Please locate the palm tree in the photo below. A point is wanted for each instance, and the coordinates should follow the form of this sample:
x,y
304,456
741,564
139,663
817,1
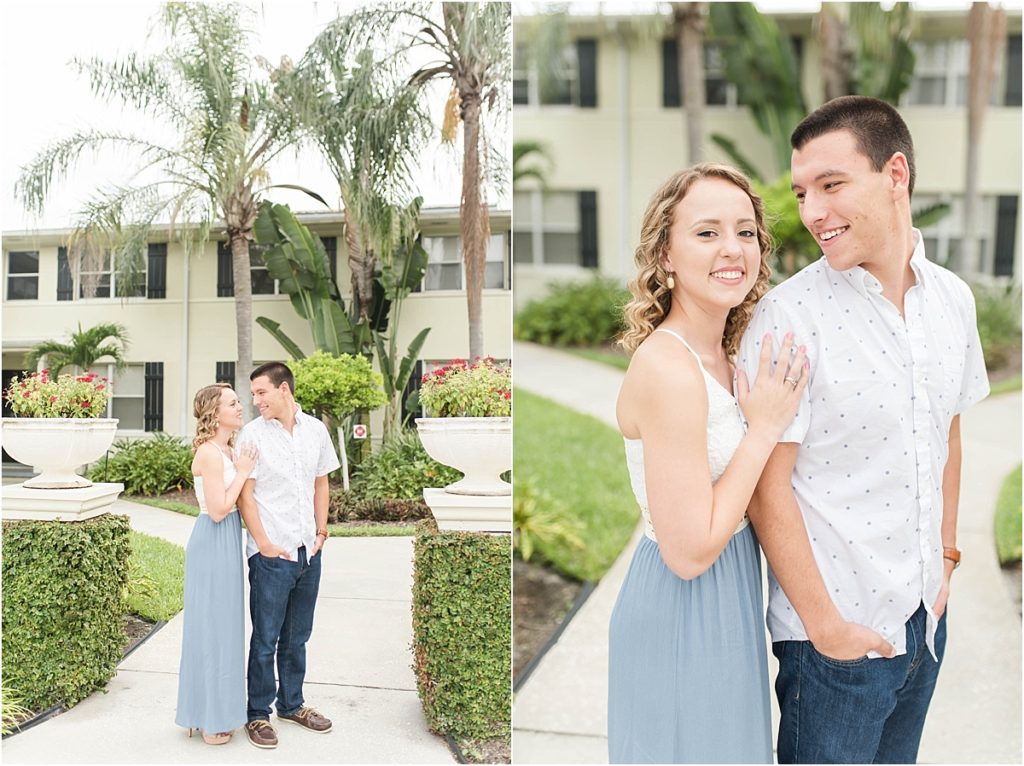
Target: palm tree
x,y
986,32
229,127
471,43
85,349
530,159
689,23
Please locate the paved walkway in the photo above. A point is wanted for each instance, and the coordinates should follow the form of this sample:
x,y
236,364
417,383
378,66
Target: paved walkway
x,y
560,713
359,674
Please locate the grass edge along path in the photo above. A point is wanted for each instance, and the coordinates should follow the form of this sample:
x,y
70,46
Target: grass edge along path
x,y
157,570
580,463
1007,519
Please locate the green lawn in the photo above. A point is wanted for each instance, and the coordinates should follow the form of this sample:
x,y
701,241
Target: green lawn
x,y
619,361
167,505
342,530
580,463
1008,519
1005,386
158,569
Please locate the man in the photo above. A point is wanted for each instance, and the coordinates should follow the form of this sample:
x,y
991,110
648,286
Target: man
x,y
284,505
856,509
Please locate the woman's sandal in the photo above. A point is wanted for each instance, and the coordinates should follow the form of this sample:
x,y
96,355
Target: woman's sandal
x,y
220,738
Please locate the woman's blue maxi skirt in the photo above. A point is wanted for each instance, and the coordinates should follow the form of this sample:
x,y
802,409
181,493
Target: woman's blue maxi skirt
x,y
688,666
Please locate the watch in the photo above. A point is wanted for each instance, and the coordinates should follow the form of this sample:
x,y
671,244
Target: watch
x,y
953,554
323,532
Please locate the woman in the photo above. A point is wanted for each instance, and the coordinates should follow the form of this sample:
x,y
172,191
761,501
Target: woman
x,y
688,675
211,679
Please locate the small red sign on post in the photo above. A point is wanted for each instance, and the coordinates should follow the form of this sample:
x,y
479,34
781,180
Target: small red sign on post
x,y
359,431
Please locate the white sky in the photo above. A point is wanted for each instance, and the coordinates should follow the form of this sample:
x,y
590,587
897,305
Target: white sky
x,y
44,99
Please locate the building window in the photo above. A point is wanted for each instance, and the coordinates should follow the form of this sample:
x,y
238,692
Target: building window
x,y
943,240
97,278
22,276
555,228
445,269
940,75
570,79
718,91
128,400
261,281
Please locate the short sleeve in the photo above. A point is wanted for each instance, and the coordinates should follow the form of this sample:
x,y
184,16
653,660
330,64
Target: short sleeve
x,y
771,317
328,460
974,386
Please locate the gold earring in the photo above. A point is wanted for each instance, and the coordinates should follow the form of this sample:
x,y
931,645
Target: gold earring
x,y
670,282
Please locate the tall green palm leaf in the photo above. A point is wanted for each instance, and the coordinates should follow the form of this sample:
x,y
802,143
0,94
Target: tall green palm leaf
x,y
530,159
471,48
228,126
109,340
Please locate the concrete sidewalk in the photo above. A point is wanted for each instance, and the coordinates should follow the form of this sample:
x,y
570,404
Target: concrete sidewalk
x,y
359,674
559,716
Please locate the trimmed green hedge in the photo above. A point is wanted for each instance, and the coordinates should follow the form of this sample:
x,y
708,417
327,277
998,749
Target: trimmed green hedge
x,y
574,314
63,605
462,638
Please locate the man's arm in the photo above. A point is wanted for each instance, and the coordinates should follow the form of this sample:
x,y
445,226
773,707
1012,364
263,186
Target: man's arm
x,y
950,508
321,504
780,529
251,517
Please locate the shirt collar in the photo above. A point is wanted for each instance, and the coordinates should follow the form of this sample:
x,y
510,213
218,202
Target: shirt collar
x,y
274,422
865,283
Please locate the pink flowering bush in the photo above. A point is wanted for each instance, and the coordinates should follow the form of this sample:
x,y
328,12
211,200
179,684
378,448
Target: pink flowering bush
x,y
482,389
37,395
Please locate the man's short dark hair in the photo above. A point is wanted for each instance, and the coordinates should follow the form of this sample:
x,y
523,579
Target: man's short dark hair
x,y
877,127
278,372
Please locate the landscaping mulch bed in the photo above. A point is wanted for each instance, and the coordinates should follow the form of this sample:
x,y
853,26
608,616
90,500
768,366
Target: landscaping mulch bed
x,y
496,750
541,597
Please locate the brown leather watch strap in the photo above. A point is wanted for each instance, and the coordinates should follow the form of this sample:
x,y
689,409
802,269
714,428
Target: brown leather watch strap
x,y
953,554
323,531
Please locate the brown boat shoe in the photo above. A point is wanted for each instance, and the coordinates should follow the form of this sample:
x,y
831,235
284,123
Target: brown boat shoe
x,y
261,733
308,718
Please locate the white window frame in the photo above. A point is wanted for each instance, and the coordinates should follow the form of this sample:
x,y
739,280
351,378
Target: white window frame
x,y
506,250
24,275
951,227
571,68
539,228
956,57
77,287
110,374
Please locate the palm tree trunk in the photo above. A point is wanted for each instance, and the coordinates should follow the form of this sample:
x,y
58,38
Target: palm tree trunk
x,y
360,266
243,317
835,64
474,220
986,30
689,23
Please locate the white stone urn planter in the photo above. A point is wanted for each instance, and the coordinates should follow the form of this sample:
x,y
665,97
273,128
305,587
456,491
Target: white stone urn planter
x,y
57,446
479,447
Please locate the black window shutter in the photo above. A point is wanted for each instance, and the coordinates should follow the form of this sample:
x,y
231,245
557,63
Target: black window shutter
x,y
1006,234
154,406
156,275
331,246
586,56
225,373
1013,73
670,90
65,282
588,229
413,385
225,276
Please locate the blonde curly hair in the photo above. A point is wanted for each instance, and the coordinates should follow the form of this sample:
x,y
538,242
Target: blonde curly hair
x,y
204,408
651,297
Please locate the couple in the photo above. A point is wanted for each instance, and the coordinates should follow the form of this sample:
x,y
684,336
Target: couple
x,y
278,477
845,452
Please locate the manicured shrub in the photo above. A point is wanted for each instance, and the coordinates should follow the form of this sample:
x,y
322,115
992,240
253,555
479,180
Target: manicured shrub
x,y
462,637
574,314
401,469
345,506
998,322
63,605
148,466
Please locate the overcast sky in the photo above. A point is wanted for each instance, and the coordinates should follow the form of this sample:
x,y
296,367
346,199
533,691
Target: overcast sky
x,y
45,99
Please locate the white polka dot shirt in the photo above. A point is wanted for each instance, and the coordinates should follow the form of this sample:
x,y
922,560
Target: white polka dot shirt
x,y
286,468
873,429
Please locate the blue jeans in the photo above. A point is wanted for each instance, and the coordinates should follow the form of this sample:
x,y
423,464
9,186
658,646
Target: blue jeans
x,y
856,711
282,596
